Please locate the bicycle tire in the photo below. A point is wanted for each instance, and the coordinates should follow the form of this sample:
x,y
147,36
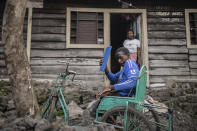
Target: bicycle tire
x,y
45,112
51,112
141,119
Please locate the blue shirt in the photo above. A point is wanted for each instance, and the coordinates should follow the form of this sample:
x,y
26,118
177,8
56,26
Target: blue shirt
x,y
125,78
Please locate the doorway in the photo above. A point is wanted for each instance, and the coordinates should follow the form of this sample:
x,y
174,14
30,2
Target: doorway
x,y
120,24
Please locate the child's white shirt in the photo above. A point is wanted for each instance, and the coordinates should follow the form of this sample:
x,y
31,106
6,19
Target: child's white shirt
x,y
132,45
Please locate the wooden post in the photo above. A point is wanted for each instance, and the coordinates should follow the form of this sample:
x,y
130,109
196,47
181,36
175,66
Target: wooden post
x,y
29,33
145,44
107,42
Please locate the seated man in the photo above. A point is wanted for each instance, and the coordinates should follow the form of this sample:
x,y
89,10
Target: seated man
x,y
121,82
125,79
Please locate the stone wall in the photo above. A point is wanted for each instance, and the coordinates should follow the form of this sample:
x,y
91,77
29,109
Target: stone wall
x,y
182,97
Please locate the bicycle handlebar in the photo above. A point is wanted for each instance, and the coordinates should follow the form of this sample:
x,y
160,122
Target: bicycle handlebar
x,y
68,72
72,72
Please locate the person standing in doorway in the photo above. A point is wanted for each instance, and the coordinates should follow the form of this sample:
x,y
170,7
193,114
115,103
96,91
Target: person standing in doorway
x,y
133,45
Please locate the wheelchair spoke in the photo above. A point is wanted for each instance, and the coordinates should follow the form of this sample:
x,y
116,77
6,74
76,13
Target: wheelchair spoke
x,y
136,120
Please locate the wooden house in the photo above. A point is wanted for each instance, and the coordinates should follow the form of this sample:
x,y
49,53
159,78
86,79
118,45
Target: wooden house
x,y
78,31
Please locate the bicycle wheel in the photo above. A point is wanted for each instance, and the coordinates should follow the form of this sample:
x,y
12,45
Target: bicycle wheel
x,y
136,119
49,111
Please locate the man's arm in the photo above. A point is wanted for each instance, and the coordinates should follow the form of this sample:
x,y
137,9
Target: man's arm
x,y
131,73
113,77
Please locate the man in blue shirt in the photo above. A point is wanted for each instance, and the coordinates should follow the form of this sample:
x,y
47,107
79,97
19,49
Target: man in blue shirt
x,y
121,82
126,78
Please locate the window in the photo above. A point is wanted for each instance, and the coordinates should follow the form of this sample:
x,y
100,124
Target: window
x,y
191,27
85,28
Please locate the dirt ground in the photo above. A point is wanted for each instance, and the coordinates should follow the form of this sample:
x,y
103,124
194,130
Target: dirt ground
x,y
183,119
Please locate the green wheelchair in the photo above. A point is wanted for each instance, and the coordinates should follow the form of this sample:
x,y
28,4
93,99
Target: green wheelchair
x,y
132,113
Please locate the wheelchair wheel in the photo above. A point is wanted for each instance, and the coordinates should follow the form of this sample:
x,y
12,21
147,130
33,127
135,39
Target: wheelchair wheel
x,y
153,118
136,120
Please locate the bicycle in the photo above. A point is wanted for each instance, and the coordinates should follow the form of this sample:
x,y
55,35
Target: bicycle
x,y
57,95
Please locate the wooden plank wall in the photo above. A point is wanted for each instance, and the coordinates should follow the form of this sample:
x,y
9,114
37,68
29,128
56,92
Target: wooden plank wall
x,y
49,47
2,62
169,57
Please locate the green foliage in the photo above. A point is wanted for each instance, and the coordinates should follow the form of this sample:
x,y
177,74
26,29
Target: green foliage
x,y
5,88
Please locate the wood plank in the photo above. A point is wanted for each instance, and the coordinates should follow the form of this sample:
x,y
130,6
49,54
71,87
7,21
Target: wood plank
x,y
193,58
2,56
165,14
168,63
4,77
71,61
168,49
165,20
48,30
193,65
1,50
165,79
194,72
3,71
160,27
1,43
93,85
82,70
48,45
89,53
28,47
168,56
167,42
35,4
99,78
50,10
45,30
49,22
166,34
49,37
170,71
2,63
47,15
193,51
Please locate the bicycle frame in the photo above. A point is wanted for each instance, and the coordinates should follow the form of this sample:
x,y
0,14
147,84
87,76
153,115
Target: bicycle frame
x,y
57,92
63,104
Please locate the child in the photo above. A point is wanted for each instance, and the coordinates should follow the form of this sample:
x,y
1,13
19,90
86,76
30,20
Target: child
x,y
133,45
126,78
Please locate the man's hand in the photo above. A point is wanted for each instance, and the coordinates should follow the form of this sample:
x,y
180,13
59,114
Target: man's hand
x,y
101,61
111,87
106,69
106,90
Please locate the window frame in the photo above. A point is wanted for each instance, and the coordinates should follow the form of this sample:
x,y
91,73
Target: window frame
x,y
187,24
68,28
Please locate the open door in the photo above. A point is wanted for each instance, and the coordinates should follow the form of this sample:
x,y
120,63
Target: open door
x,y
120,24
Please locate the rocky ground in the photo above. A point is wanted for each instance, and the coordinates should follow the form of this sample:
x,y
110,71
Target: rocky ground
x,y
179,96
